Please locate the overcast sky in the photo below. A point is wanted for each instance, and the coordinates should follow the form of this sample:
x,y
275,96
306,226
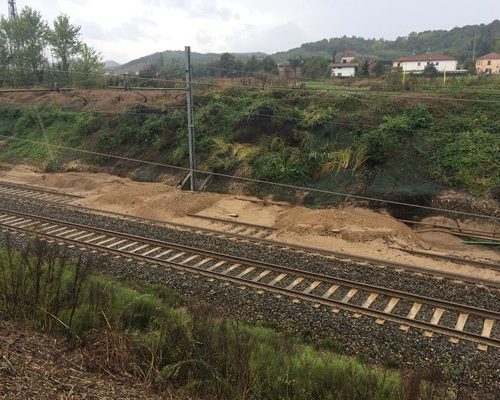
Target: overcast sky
x,y
124,29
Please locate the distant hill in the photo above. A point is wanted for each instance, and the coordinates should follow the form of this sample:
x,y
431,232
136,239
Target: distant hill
x,y
177,57
110,64
458,42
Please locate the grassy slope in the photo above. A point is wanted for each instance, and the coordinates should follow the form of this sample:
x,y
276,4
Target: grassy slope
x,y
373,143
152,334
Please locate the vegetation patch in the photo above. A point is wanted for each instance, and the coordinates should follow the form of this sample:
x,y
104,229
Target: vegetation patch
x,y
151,333
344,142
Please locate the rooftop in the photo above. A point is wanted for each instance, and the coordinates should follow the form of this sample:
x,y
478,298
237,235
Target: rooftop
x,y
425,57
344,65
490,56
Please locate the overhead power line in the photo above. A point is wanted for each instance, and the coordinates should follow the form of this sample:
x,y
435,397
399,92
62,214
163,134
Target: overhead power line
x,y
387,94
251,180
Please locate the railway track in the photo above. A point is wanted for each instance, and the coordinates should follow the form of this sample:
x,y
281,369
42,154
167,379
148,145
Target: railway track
x,y
430,316
235,230
237,227
35,193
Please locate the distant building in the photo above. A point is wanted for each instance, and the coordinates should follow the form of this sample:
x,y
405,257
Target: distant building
x,y
488,64
419,62
343,70
348,58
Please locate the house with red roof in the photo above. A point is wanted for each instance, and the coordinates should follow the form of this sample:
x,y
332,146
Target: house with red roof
x,y
488,64
418,63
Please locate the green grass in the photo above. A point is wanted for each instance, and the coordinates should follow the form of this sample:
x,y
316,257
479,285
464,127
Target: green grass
x,y
152,333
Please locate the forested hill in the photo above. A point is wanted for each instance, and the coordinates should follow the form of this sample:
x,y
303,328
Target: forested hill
x,y
457,42
172,57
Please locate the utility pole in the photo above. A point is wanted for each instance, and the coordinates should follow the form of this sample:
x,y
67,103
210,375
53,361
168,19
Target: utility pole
x,y
190,115
474,48
12,9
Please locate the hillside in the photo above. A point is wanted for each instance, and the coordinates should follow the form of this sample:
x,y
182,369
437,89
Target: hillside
x,y
407,149
177,57
457,42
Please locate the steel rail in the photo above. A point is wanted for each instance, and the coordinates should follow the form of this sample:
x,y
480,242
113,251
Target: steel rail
x,y
278,268
228,221
404,321
37,189
307,249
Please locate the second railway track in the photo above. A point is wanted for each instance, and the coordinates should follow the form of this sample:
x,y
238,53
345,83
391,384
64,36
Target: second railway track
x,y
236,230
429,315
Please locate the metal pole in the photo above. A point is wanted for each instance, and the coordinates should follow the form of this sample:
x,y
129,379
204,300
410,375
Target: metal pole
x,y
474,48
191,138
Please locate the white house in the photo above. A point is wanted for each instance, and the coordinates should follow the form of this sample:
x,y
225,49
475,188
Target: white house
x,y
419,62
343,70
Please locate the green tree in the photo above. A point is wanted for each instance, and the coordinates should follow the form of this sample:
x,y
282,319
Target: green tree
x,y
379,68
227,63
88,61
269,65
430,71
65,41
316,67
252,64
24,43
365,70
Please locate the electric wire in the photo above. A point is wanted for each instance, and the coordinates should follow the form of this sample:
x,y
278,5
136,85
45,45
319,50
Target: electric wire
x,y
402,94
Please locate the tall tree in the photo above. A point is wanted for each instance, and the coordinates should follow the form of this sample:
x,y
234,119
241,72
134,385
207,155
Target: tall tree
x,y
65,41
24,42
88,60
269,64
365,69
227,63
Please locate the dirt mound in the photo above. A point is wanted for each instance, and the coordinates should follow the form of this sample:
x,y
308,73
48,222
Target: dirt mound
x,y
151,200
93,100
349,223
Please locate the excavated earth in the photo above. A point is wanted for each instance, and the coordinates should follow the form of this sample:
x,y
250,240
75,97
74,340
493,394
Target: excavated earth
x,y
384,344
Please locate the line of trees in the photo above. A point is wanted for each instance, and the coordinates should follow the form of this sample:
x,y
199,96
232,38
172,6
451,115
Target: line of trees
x,y
228,66
32,52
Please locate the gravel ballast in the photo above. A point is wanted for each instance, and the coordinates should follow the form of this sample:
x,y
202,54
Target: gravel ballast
x,y
382,344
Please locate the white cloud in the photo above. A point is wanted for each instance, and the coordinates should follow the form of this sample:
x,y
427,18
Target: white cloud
x,y
126,29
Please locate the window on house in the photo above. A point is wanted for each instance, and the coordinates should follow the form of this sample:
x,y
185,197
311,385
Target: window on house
x,y
489,62
419,64
437,63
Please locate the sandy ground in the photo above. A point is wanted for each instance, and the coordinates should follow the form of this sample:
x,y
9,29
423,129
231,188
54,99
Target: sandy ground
x,y
353,231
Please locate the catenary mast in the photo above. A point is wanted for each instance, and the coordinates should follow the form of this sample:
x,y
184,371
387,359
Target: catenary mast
x,y
12,9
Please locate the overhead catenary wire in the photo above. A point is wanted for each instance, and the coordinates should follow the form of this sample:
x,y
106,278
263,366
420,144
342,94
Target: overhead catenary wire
x,y
433,89
252,180
402,94
94,74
